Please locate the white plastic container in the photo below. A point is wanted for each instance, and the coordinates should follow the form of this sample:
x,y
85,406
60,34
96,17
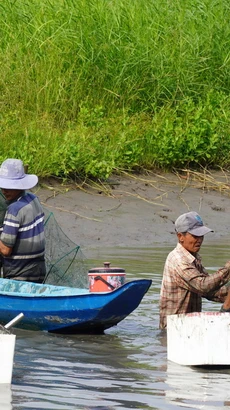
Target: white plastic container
x,y
7,347
197,339
6,397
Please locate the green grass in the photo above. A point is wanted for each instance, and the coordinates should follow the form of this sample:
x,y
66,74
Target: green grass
x,y
92,86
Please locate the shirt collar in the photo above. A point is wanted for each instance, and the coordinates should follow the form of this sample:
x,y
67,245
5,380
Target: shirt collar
x,y
187,254
16,199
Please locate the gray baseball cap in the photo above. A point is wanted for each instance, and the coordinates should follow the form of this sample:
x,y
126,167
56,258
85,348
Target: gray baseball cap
x,y
192,223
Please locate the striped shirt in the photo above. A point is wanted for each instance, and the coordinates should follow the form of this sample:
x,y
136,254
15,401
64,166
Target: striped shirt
x,y
185,281
23,231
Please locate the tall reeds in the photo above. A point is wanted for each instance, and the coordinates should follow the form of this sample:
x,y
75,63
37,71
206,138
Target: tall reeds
x,y
88,86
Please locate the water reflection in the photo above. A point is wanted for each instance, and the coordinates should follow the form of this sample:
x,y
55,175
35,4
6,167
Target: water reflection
x,y
196,387
126,368
77,371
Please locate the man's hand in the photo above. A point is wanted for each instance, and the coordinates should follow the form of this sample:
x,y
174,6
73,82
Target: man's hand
x,y
226,306
227,265
5,250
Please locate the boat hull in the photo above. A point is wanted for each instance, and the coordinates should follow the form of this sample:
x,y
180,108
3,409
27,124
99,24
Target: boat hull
x,y
70,313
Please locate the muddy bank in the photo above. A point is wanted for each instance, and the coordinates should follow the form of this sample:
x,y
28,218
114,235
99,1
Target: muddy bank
x,y
138,211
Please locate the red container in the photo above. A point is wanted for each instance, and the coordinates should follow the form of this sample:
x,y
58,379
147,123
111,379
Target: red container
x,y
105,279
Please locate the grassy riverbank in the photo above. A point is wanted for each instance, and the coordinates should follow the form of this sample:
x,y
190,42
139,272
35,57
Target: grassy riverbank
x,y
93,86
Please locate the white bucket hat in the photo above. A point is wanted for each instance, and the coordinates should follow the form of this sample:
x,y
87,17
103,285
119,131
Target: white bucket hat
x,y
12,175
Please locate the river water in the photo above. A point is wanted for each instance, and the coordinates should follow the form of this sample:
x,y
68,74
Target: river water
x,y
126,368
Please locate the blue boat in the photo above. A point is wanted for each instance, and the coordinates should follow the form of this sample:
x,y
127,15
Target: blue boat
x,y
68,310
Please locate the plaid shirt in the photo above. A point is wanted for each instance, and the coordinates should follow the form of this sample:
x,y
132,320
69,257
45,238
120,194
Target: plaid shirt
x,y
185,281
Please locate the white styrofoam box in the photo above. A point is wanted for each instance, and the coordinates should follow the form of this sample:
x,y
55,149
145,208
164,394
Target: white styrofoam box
x,y
199,338
7,347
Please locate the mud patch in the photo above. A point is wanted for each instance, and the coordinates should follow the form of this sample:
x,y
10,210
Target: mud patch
x,y
136,211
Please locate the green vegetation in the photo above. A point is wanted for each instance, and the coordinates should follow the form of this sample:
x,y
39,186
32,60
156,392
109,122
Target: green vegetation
x,y
89,87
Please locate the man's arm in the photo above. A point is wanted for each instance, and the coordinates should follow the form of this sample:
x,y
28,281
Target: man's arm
x,y
5,250
219,295
190,278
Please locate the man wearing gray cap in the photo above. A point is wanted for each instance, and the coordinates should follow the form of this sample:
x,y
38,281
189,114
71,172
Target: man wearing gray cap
x,y
22,242
185,281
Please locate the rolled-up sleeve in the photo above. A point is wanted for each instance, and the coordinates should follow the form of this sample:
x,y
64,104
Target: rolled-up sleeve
x,y
199,281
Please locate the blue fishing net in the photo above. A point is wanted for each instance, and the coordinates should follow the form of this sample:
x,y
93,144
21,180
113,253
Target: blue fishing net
x,y
65,262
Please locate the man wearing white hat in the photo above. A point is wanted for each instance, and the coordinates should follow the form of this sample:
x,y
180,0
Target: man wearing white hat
x,y
22,242
185,281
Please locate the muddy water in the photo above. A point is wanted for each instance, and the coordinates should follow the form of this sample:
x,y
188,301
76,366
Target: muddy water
x,y
126,368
